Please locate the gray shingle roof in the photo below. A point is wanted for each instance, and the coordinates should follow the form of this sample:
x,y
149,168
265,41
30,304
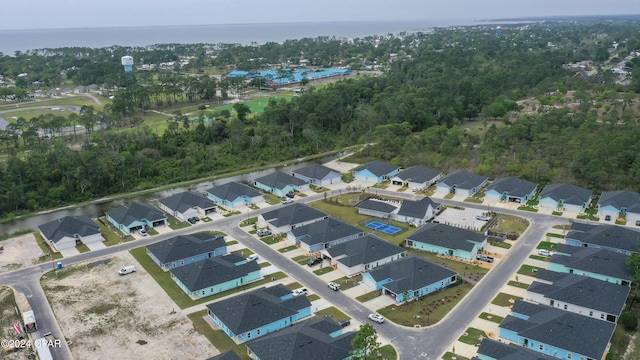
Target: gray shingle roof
x,y
259,307
69,226
279,180
561,329
186,200
416,209
295,213
309,340
232,191
214,271
581,290
185,246
364,250
611,236
315,171
229,355
324,231
502,351
376,205
135,211
410,273
377,168
597,261
621,199
418,174
446,236
463,180
571,194
513,186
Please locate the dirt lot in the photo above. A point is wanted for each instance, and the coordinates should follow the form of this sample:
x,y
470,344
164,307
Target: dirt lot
x,y
108,316
19,252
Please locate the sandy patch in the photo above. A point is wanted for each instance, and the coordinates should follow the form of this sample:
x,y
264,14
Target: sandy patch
x,y
19,252
108,316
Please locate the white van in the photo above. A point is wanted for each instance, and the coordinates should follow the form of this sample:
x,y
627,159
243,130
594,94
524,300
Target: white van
x,y
127,270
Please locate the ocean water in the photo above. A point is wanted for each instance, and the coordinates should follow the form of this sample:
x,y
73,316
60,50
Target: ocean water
x,y
23,40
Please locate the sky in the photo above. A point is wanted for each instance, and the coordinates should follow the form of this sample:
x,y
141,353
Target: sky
x,y
61,14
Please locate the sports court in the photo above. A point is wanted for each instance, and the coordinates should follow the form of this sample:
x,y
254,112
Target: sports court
x,y
382,227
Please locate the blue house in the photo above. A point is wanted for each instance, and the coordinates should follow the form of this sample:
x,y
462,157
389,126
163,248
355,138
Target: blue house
x,y
565,197
412,276
214,275
310,340
323,234
375,171
129,218
511,189
318,175
494,350
620,203
186,249
258,313
599,264
609,237
416,177
461,183
447,240
234,195
556,332
279,183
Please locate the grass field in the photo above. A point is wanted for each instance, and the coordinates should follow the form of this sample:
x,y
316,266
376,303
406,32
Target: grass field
x,y
257,105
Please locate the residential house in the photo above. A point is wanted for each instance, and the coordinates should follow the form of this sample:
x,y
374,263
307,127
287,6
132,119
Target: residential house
x,y
596,263
579,294
214,275
447,240
310,340
186,249
409,277
259,312
377,208
565,197
556,332
287,218
461,183
323,234
318,175
280,184
511,189
363,254
186,204
375,171
417,177
228,355
620,204
417,212
490,349
234,195
137,215
69,231
609,237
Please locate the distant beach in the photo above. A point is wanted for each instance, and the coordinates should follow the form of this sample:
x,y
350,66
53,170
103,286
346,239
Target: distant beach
x,y
23,40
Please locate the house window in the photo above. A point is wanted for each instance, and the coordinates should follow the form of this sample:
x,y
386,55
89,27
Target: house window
x,y
249,335
181,262
569,356
203,292
565,306
602,316
541,347
258,332
590,313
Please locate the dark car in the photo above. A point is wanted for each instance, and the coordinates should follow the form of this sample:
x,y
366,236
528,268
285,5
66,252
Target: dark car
x,y
314,261
344,323
290,194
193,220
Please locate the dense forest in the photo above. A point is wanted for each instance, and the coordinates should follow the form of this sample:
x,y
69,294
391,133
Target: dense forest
x,y
449,99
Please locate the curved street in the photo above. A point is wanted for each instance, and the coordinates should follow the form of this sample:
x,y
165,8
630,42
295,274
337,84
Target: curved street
x,y
426,343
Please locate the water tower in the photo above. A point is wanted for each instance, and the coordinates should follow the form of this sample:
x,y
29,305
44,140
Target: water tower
x,y
498,31
127,62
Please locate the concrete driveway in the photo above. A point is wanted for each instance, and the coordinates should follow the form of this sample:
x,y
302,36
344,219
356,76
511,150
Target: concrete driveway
x,y
69,252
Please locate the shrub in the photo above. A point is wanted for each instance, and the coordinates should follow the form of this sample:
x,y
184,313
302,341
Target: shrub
x,y
629,321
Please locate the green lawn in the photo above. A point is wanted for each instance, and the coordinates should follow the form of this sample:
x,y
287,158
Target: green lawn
x,y
453,356
218,338
348,282
257,105
549,234
528,270
46,250
500,244
270,240
490,317
472,336
288,248
369,296
538,257
459,267
547,245
507,224
313,297
389,352
323,270
333,313
505,300
249,221
518,284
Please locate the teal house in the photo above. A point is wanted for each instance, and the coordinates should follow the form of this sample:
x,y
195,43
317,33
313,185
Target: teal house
x,y
186,249
137,215
259,312
375,171
280,184
599,264
234,195
214,275
447,240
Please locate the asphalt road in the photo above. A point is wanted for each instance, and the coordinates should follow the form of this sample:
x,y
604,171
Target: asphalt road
x,y
426,343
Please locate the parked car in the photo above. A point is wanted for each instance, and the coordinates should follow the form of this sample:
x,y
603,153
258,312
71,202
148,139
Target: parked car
x,y
299,292
483,217
142,232
263,232
127,270
484,258
607,218
252,257
334,286
637,222
314,261
193,219
287,200
377,318
344,323
543,252
290,194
